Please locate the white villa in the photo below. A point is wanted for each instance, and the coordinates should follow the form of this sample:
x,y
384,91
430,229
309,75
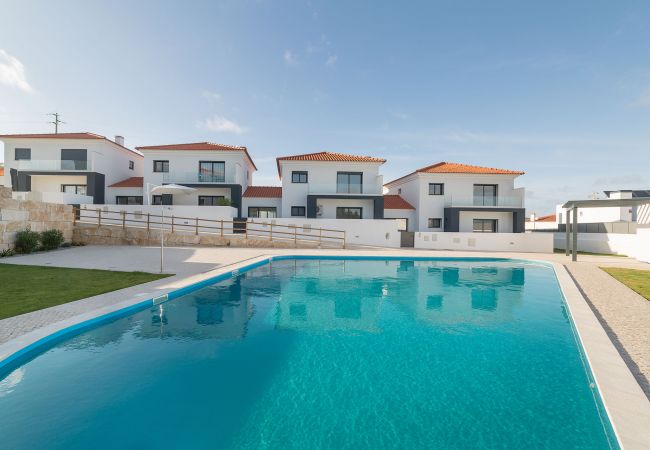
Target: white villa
x,y
454,197
607,214
66,167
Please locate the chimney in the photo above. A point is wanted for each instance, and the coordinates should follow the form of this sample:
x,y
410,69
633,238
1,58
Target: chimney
x,y
119,140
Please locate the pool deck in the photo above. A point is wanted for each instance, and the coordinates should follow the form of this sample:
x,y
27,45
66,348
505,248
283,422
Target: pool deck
x,y
611,319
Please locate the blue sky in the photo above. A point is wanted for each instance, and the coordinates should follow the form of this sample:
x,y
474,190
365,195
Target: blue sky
x,y
558,89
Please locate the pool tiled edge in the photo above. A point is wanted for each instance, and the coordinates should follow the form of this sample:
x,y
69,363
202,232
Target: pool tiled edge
x,y
623,399
625,402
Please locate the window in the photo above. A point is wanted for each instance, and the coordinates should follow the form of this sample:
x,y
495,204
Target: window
x,y
74,159
434,223
131,165
298,177
128,199
436,189
485,195
79,189
402,224
212,171
22,153
485,226
349,182
298,211
161,166
348,213
210,200
399,191
262,212
156,199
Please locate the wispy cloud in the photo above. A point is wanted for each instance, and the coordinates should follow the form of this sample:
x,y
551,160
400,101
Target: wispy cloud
x,y
211,96
331,60
290,58
220,124
643,100
12,72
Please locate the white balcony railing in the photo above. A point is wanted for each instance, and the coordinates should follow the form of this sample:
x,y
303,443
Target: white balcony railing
x,y
345,189
485,201
198,178
54,165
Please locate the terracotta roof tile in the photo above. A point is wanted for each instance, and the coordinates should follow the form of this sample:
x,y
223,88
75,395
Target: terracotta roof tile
x,y
263,192
129,182
2,171
396,202
209,146
328,157
81,135
449,167
549,218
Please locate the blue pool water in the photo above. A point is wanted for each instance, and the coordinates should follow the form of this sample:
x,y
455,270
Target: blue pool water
x,y
306,353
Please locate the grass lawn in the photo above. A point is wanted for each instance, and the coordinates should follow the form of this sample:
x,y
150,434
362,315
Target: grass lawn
x,y
30,288
637,280
561,250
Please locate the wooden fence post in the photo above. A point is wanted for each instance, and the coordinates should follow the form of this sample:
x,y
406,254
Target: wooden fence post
x,y
99,217
344,239
197,226
123,219
295,236
320,237
221,227
148,220
172,223
271,233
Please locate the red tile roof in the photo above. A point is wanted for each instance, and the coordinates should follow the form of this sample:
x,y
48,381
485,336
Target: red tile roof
x,y
210,146
263,192
549,218
449,167
81,135
129,182
2,171
328,157
396,202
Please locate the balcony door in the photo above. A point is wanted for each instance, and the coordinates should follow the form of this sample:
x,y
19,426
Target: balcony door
x,y
349,182
485,195
74,159
212,171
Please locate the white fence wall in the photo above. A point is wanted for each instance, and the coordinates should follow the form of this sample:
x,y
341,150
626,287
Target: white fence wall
x,y
192,211
614,243
372,232
643,244
491,242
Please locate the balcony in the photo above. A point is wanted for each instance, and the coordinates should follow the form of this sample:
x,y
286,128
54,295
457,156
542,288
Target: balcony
x,y
54,165
343,189
66,198
200,178
484,202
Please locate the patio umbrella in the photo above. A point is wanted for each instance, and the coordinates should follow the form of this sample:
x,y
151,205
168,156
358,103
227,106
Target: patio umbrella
x,y
167,189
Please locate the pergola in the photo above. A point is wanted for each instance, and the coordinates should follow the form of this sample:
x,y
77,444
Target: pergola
x,y
572,221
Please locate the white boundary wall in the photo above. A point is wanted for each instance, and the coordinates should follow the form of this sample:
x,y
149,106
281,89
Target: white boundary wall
x,y
614,243
372,232
202,212
490,242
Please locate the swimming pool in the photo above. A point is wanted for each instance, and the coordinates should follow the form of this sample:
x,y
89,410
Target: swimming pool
x,y
329,352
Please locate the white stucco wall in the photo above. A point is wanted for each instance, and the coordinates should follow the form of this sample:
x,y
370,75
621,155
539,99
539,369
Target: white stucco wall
x,y
494,242
409,214
103,156
597,215
614,243
112,192
265,202
322,177
458,191
190,212
52,183
466,220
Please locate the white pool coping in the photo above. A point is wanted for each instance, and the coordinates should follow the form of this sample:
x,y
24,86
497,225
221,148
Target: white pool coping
x,y
626,404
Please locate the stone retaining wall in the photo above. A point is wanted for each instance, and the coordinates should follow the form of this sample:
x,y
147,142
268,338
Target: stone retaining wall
x,y
91,234
17,215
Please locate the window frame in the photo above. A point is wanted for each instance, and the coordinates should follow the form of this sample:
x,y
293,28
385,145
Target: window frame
x,y
431,221
220,176
164,163
139,198
299,173
259,209
79,163
212,197
131,165
303,208
437,185
338,208
29,150
348,184
76,186
495,222
483,197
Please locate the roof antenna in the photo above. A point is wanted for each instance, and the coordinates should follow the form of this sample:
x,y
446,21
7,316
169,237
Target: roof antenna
x,y
56,122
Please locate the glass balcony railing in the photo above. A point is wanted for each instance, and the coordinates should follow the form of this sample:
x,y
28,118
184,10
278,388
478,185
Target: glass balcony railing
x,y
345,189
485,201
200,177
54,165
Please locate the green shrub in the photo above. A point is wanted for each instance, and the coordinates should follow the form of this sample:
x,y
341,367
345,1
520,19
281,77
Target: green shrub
x,y
51,239
7,252
27,241
224,202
